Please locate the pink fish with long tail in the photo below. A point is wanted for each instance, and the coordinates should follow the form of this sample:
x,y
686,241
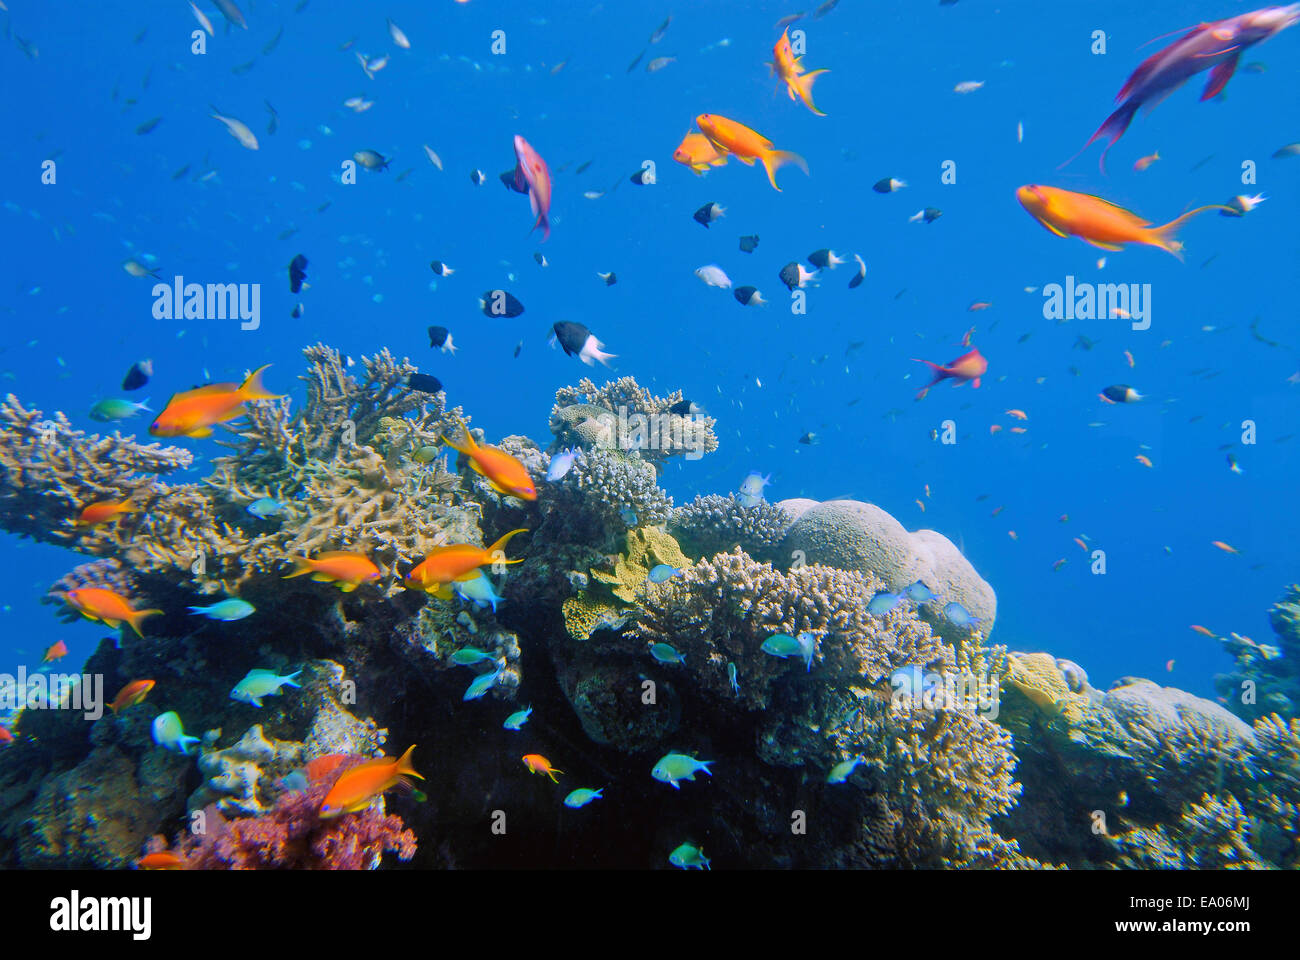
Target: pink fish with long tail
x,y
532,175
1209,46
968,368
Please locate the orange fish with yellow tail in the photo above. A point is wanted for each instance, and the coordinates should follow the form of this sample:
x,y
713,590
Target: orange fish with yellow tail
x,y
747,145
112,609
193,413
536,763
96,513
1100,222
968,368
503,472
358,787
348,570
456,562
785,65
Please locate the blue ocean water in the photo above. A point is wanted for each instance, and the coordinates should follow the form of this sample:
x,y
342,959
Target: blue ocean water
x,y
73,320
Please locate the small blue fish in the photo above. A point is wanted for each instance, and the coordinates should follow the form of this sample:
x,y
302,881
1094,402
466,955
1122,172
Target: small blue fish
x,y
266,508
261,683
689,857
295,782
666,653
662,572
469,656
517,719
169,733
108,411
840,772
227,610
883,602
673,767
481,685
751,489
561,464
782,645
918,592
959,615
478,591
582,796
731,678
628,517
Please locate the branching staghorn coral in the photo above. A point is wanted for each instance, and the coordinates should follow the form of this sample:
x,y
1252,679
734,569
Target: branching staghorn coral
x,y
715,524
591,503
637,420
1212,834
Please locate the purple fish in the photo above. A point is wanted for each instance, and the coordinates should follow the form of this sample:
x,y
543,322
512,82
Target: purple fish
x,y
1215,45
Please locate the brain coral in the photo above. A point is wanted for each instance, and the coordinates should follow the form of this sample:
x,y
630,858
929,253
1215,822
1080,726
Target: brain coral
x,y
851,535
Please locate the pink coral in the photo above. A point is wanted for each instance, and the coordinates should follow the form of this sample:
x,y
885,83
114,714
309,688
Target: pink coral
x,y
292,836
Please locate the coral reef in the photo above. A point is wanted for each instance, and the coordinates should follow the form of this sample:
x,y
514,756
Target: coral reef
x,y
624,415
292,836
715,524
243,778
1265,677
851,535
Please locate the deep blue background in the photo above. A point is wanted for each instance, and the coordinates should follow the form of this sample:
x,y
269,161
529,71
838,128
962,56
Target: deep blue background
x,y
73,321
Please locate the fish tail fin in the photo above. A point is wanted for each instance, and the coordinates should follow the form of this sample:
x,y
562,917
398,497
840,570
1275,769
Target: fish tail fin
x,y
144,405
500,545
137,617
802,85
404,765
466,446
773,160
1164,236
254,389
291,679
1112,127
301,565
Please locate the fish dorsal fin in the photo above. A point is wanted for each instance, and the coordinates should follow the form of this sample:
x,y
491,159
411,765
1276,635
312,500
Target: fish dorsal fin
x,y
335,555
209,390
260,672
1132,217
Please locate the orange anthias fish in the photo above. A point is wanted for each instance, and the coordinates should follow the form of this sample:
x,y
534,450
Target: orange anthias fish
x,y
348,570
443,566
162,860
1143,162
532,175
747,145
698,152
320,768
1100,222
98,603
506,474
536,763
785,65
97,513
1226,548
194,412
359,786
6,736
133,693
56,651
1203,631
968,367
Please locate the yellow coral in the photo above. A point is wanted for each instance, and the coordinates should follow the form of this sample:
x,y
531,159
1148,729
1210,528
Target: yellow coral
x,y
646,547
1037,676
584,614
